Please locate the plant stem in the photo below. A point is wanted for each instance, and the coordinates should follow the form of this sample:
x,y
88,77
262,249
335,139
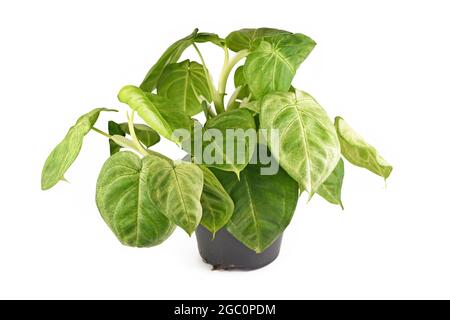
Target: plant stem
x,y
233,98
101,132
136,141
212,89
227,69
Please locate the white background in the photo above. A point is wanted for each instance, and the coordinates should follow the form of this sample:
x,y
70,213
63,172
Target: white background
x,y
382,65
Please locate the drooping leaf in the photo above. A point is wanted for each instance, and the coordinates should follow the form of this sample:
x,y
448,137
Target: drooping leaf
x,y
263,205
65,153
114,129
245,38
185,83
124,204
172,54
241,125
176,188
330,190
216,203
308,144
161,114
358,152
271,66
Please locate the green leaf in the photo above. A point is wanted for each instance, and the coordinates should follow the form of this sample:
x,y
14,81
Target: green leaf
x,y
308,147
159,113
216,203
144,133
263,205
185,83
245,38
114,129
176,188
239,81
124,203
254,106
65,153
358,152
272,65
330,190
172,54
217,148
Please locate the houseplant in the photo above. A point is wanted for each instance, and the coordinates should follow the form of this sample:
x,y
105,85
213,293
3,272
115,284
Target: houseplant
x,y
238,194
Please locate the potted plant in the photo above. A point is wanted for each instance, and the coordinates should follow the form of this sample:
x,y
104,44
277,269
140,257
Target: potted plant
x,y
248,160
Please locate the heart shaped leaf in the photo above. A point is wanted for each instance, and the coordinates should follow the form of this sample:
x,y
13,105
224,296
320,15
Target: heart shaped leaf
x,y
271,66
216,203
176,188
308,144
245,38
234,129
124,204
358,152
264,205
65,153
186,85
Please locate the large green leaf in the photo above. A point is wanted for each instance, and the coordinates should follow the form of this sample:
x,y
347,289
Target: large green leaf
x,y
358,152
172,54
241,123
330,190
159,113
65,153
308,144
263,205
124,203
185,83
216,203
245,38
176,188
271,66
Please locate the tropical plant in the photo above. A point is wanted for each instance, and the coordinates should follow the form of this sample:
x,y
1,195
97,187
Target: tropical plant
x,y
143,195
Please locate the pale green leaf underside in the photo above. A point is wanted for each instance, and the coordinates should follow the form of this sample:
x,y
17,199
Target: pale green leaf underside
x,y
330,190
217,205
235,119
176,188
186,85
160,114
272,65
309,147
245,38
124,204
263,205
358,152
65,153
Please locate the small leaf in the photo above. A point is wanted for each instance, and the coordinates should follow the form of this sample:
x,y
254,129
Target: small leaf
x,y
114,129
176,188
144,133
358,152
239,81
216,203
245,38
230,160
308,147
65,153
264,205
159,113
124,204
254,106
271,66
330,190
184,83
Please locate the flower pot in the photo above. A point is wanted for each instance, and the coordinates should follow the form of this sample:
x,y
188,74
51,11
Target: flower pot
x,y
224,252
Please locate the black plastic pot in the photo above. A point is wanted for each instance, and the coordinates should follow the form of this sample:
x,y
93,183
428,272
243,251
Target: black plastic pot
x,y
225,252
